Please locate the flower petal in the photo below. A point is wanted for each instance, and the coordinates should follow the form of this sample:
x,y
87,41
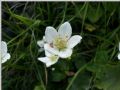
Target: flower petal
x,y
40,43
5,58
48,61
3,48
50,34
66,53
74,40
48,54
65,30
45,60
51,49
44,39
41,49
119,56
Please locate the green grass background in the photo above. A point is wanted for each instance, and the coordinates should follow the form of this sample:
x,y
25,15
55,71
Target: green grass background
x,y
93,65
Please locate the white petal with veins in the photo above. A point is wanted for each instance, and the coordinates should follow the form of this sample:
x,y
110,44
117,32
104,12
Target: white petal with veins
x,y
65,53
5,58
47,53
74,40
50,34
3,48
4,55
51,49
65,30
48,61
40,43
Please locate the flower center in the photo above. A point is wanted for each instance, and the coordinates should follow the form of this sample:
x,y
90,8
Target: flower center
x,y
60,43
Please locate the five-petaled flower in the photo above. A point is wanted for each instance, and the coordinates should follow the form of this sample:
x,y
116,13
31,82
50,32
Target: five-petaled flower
x,y
59,44
119,51
4,55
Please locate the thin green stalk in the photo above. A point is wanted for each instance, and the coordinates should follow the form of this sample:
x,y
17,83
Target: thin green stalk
x,y
81,69
85,13
34,60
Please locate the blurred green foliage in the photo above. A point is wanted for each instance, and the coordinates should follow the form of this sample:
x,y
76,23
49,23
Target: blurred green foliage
x,y
93,65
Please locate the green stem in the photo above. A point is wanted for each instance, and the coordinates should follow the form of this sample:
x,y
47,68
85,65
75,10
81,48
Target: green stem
x,y
81,69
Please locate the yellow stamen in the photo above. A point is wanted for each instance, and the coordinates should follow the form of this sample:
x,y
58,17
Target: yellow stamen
x,y
60,43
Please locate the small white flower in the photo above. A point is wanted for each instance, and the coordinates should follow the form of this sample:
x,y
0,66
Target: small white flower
x,y
4,55
119,53
50,59
41,44
61,43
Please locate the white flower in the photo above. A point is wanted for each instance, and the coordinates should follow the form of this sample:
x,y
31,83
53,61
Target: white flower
x,y
119,53
41,44
50,59
61,43
4,55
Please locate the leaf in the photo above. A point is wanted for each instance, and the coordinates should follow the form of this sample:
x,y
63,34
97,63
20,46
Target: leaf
x,y
25,20
93,67
38,87
94,14
100,60
79,61
101,57
61,68
108,78
62,63
83,10
57,76
110,6
80,81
